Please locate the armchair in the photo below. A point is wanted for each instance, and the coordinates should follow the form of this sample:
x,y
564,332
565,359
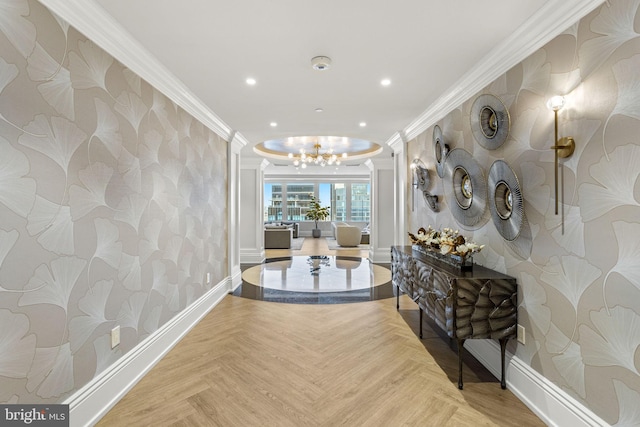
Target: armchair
x,y
348,235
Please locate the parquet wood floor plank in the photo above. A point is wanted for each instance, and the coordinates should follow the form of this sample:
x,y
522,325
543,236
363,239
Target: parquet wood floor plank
x,y
255,363
258,363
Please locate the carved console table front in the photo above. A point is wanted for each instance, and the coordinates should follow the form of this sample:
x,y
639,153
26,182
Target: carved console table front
x,y
481,303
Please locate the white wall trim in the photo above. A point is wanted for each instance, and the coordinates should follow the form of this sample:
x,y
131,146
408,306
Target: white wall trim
x,y
548,22
379,251
96,398
397,141
233,211
235,280
91,20
552,404
238,142
380,255
400,191
252,256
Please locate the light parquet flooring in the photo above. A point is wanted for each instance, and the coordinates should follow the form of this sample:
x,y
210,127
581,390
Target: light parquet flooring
x,y
255,363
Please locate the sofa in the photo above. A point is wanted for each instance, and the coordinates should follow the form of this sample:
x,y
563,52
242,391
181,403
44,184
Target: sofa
x,y
293,225
348,235
278,238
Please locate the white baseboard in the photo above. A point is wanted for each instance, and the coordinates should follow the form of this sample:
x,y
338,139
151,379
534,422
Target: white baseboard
x,y
95,399
380,255
236,279
252,256
554,406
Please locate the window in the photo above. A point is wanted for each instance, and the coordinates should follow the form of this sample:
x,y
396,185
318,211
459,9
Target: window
x,y
334,196
360,202
272,202
298,198
339,202
288,201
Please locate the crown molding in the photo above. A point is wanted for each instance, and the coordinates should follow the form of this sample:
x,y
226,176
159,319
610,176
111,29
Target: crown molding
x,y
396,142
376,164
239,140
547,23
253,163
95,23
236,142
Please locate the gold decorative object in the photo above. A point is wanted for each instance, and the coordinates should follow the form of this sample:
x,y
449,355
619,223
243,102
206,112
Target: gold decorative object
x,y
318,158
303,151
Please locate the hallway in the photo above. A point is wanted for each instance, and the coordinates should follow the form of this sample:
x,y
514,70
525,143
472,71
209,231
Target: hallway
x,y
251,363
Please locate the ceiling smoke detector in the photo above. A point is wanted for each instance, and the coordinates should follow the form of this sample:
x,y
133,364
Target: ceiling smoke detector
x,y
321,63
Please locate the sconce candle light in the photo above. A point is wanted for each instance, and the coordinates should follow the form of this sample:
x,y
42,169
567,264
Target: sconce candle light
x,y
564,147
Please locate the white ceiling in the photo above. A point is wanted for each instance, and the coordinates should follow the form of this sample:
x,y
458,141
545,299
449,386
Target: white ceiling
x,y
424,46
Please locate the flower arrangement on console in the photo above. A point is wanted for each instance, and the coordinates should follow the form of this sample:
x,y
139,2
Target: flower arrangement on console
x,y
446,242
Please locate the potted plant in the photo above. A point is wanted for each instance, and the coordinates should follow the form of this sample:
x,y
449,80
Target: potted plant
x,y
316,213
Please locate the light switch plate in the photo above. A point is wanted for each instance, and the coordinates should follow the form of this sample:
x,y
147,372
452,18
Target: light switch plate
x,y
521,334
115,336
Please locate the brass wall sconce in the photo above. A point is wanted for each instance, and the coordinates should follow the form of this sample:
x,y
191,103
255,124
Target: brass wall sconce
x,y
565,146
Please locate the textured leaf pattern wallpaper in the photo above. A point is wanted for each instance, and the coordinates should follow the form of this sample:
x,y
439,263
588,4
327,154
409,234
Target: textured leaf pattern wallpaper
x,y
579,280
112,207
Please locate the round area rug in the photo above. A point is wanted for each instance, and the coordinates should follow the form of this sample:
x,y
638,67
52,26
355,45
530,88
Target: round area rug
x,y
323,279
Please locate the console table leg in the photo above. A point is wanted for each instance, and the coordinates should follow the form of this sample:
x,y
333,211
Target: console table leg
x,y
460,349
397,298
419,309
503,348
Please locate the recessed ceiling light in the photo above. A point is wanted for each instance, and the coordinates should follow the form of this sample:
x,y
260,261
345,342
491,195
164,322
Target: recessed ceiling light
x,y
251,81
321,63
319,110
363,124
273,124
385,82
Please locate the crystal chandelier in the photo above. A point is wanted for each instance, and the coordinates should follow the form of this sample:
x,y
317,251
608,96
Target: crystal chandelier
x,y
303,158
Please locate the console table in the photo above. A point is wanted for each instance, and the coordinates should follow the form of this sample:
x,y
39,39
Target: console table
x,y
481,303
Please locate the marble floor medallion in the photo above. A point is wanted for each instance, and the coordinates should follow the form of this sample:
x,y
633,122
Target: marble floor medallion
x,y
316,279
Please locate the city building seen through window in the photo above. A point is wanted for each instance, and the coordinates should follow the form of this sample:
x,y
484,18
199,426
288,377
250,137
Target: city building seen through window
x,y
349,201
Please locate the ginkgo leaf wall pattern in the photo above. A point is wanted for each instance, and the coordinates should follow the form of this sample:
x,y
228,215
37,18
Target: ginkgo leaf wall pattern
x,y
112,207
580,286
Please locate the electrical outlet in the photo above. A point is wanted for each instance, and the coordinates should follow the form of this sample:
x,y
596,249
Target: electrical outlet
x,y
115,336
208,278
521,334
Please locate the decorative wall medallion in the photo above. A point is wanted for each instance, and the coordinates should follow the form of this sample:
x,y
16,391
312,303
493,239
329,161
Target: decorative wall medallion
x,y
505,200
431,200
421,182
441,150
489,121
462,182
467,186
